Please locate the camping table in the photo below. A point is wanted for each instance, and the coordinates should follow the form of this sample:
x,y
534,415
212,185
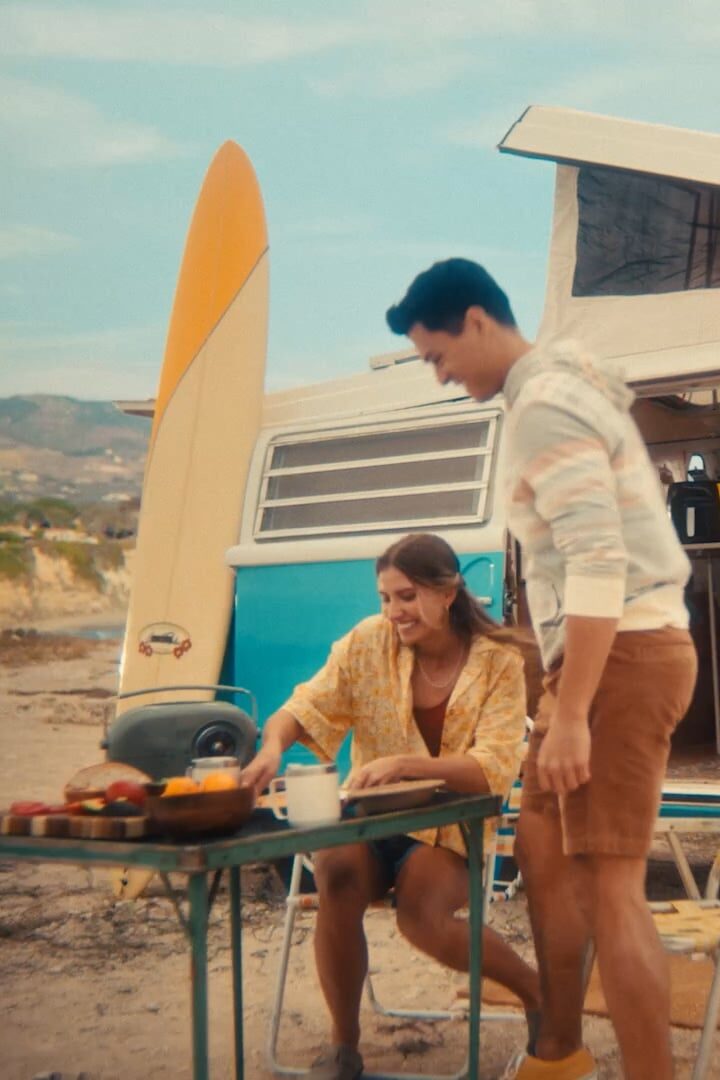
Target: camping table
x,y
264,840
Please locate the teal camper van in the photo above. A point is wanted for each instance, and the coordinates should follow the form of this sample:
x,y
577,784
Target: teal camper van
x,y
341,469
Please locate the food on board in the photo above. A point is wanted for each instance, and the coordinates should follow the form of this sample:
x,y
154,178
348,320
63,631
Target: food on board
x,y
131,790
180,785
222,780
93,781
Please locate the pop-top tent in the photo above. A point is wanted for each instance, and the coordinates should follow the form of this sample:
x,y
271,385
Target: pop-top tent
x,y
634,267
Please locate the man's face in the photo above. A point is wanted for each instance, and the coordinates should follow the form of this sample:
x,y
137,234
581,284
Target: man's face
x,y
465,358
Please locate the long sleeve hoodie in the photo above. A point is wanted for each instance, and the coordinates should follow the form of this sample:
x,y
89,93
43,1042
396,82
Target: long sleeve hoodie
x,y
585,501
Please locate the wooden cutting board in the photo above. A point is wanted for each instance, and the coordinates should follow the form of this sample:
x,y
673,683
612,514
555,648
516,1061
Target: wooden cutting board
x,y
75,827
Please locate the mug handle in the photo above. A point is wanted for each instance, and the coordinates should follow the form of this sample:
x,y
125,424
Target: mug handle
x,y
274,788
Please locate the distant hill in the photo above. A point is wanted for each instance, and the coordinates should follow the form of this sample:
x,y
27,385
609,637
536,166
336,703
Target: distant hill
x,y
78,450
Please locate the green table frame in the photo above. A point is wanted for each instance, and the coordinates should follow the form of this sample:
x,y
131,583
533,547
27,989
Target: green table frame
x,y
253,844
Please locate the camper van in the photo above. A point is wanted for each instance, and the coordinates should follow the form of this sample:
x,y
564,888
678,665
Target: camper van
x,y
343,468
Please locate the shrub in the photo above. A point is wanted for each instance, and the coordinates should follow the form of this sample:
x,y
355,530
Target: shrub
x,y
80,558
16,561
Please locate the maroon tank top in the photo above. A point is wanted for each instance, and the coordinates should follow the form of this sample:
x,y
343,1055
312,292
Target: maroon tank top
x,y
430,724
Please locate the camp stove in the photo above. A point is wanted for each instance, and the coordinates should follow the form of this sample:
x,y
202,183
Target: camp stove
x,y
163,738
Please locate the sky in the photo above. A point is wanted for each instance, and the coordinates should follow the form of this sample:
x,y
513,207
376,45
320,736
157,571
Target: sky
x,y
372,126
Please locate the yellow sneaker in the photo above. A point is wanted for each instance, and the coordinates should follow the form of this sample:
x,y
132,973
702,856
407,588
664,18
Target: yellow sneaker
x,y
578,1066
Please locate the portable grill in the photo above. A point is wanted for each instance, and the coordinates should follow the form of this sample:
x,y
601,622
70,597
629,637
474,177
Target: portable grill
x,y
163,738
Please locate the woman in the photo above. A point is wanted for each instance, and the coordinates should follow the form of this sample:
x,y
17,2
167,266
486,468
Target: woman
x,y
431,688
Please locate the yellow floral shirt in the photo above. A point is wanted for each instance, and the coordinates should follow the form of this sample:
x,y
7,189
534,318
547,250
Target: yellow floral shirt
x,y
365,686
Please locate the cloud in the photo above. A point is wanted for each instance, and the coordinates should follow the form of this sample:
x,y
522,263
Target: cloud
x,y
18,241
50,128
206,38
182,34
330,227
99,364
394,76
602,88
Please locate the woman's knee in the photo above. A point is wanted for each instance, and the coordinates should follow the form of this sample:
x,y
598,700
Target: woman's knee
x,y
343,873
419,919
429,893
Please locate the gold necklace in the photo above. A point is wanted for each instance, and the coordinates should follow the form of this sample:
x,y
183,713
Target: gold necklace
x,y
440,685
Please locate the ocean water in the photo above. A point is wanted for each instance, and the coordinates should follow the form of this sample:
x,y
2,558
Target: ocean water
x,y
95,633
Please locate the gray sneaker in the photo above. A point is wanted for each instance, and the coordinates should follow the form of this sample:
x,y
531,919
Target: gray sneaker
x,y
337,1063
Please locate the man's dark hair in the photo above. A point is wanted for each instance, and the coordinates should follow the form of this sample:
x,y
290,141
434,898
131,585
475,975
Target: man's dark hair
x,y
439,298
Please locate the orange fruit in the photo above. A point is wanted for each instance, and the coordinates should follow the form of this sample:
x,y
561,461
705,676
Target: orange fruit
x,y
222,780
180,785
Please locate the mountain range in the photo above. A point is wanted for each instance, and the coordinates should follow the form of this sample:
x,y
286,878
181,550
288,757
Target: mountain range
x,y
83,451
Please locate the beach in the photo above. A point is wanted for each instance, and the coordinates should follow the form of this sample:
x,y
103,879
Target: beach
x,y
95,985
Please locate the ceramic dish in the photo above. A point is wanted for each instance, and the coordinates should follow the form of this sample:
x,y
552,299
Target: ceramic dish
x,y
403,795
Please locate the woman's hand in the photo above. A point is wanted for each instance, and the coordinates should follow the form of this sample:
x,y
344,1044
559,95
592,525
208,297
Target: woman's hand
x,y
263,767
384,770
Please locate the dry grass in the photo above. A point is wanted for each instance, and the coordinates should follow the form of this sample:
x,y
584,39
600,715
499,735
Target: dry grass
x,y
21,647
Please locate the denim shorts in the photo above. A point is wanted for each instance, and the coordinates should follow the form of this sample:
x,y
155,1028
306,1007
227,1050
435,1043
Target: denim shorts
x,y
392,853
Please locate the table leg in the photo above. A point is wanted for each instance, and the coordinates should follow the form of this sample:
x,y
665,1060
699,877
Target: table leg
x,y
236,945
474,838
198,925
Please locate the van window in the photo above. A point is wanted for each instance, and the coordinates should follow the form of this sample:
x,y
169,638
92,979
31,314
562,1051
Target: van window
x,y
643,234
402,475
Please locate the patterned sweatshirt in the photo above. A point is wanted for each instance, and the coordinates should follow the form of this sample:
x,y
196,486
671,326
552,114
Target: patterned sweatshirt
x,y
585,501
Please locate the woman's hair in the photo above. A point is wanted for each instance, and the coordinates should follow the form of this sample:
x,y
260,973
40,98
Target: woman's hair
x,y
428,560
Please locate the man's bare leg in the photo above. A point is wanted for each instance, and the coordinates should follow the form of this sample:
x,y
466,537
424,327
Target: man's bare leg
x,y
633,966
348,879
561,930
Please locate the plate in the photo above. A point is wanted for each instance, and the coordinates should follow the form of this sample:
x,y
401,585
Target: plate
x,y
404,795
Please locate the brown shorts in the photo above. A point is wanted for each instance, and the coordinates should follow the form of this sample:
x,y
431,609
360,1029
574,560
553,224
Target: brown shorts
x,y
644,693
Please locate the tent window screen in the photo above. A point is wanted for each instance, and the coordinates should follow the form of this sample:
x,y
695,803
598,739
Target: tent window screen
x,y
643,235
429,474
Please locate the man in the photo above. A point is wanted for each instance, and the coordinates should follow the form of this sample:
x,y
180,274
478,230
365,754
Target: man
x,y
605,577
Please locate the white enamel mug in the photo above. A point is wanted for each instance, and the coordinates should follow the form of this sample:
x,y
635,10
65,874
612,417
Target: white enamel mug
x,y
312,795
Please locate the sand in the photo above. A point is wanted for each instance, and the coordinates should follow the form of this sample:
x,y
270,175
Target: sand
x,y
99,986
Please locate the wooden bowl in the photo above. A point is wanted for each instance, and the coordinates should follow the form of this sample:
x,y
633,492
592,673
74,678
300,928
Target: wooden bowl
x,y
181,816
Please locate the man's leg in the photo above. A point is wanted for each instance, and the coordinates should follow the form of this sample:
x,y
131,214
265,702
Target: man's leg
x,y
633,966
560,918
348,879
431,886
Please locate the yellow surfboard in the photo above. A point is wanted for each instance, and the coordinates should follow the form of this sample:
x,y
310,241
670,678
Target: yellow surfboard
x,y
207,416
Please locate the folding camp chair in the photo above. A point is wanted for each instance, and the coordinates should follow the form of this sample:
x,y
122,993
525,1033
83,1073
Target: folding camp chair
x,y
687,807
693,927
296,902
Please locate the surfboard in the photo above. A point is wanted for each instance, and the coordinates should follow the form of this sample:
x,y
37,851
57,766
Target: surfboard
x,y
207,415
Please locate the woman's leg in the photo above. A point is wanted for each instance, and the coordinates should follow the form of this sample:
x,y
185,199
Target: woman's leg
x,y
431,886
348,879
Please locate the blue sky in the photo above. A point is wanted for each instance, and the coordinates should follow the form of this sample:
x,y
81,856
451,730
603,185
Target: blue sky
x,y
371,125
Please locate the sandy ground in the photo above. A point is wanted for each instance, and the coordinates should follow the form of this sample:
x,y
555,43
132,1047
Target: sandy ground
x,y
101,986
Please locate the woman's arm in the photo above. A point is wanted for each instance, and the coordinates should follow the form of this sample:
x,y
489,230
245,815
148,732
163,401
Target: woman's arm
x,y
318,714
461,772
279,733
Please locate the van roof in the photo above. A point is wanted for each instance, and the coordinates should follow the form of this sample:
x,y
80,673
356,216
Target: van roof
x,y
573,137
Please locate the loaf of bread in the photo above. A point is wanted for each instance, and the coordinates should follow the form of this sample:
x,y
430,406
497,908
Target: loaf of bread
x,y
91,782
